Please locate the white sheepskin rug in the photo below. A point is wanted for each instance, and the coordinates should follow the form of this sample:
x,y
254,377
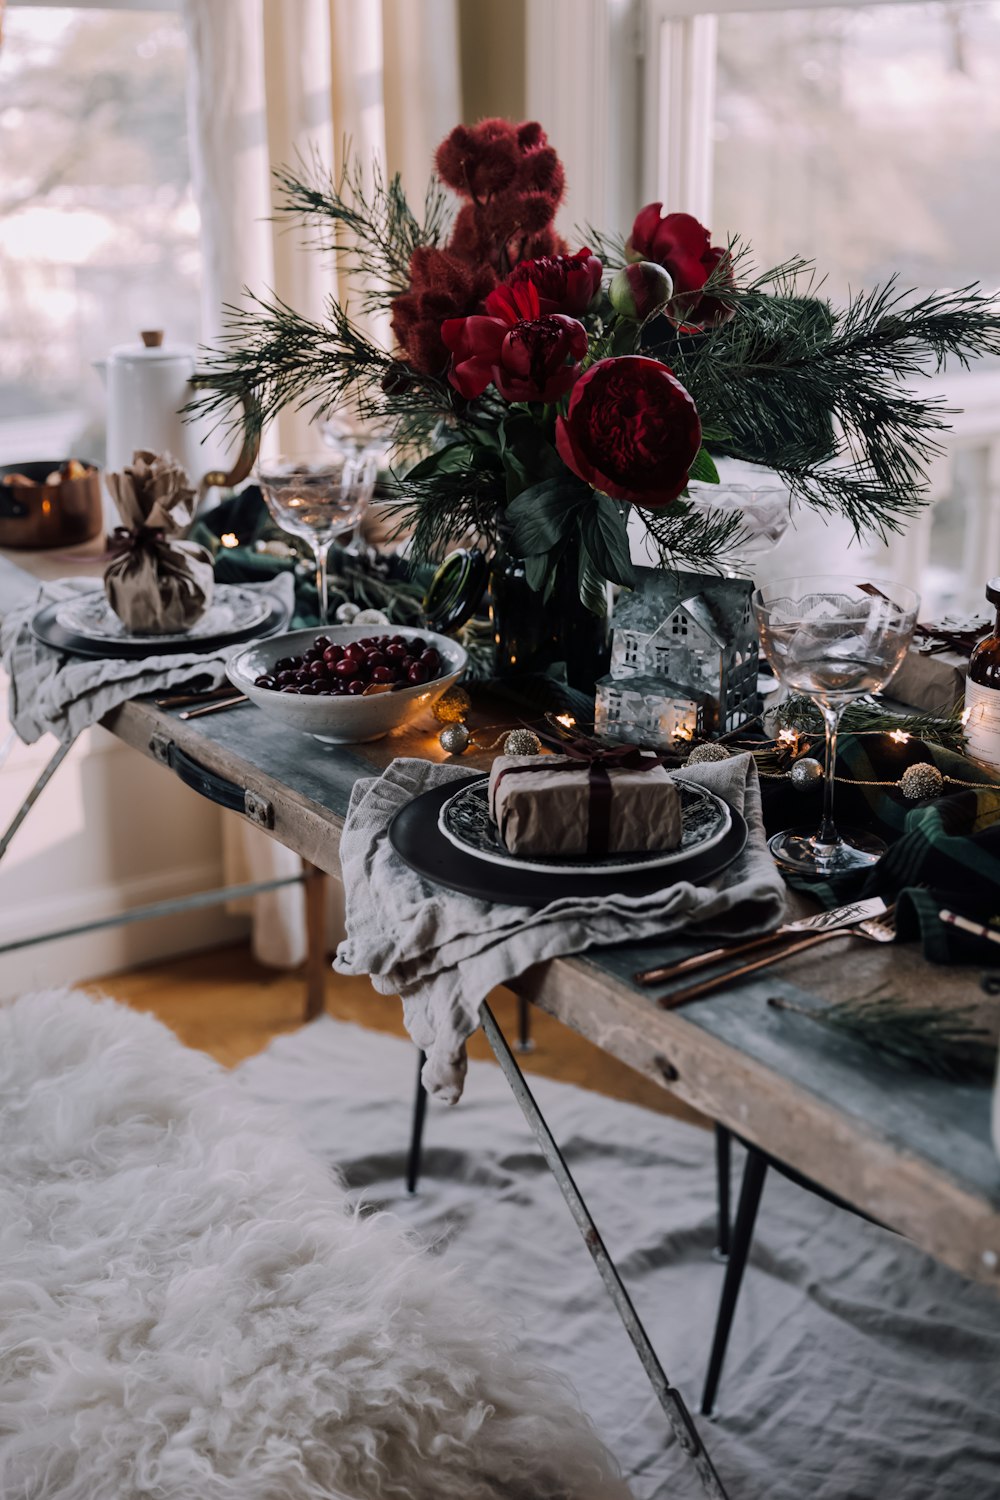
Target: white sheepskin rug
x,y
189,1311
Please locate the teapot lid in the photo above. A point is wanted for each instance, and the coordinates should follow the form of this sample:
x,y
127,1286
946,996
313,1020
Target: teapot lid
x,y
152,347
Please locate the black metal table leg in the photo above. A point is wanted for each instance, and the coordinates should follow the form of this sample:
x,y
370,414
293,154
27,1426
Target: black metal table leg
x,y
753,1182
524,1042
723,1143
670,1399
417,1133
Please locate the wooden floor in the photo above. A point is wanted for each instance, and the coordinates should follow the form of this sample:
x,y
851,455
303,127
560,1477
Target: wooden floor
x,y
231,1007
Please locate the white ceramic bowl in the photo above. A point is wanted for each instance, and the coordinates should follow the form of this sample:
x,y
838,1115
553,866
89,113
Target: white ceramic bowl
x,y
342,720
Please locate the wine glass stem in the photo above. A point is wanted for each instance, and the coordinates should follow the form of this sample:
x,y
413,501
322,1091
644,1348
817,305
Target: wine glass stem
x,y
322,550
827,829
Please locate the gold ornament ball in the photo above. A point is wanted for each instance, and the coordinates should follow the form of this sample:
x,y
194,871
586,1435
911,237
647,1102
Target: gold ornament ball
x,y
920,781
701,754
454,738
522,742
806,773
452,706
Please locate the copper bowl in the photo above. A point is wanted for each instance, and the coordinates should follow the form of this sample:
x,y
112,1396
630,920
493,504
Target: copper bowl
x,y
43,515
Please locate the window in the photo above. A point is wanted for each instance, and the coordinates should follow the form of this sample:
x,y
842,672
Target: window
x,y
864,137
98,226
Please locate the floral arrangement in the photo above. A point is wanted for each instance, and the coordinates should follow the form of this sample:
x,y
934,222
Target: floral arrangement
x,y
552,389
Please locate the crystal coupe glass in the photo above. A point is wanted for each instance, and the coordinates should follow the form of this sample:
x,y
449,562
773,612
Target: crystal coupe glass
x,y
833,640
317,497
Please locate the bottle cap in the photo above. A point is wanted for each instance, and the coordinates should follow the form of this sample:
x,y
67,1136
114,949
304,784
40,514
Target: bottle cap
x,y
993,591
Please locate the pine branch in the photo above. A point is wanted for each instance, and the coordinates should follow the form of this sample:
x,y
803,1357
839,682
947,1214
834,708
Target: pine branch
x,y
686,538
270,352
932,1039
867,717
367,224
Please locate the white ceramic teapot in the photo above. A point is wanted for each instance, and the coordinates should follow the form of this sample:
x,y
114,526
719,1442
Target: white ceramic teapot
x,y
147,385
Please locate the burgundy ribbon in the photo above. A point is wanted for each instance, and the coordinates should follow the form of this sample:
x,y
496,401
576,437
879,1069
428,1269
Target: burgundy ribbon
x,y
600,762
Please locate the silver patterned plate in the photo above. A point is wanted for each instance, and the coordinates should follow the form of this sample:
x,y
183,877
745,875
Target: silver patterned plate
x,y
234,608
465,822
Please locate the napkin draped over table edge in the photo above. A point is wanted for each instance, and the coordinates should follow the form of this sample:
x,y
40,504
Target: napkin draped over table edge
x,y
53,692
443,952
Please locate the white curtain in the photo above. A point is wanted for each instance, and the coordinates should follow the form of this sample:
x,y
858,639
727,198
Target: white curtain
x,y
270,80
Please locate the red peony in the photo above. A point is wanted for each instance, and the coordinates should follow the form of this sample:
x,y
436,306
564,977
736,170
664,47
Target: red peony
x,y
631,431
526,356
680,244
565,283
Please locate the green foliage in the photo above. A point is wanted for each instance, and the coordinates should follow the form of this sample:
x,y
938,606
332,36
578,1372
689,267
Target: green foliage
x,y
931,1039
868,716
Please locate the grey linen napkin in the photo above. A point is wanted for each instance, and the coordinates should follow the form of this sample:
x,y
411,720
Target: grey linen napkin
x,y
443,952
52,692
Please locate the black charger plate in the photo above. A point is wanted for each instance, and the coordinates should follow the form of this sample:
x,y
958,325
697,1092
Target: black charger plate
x,y
47,628
415,836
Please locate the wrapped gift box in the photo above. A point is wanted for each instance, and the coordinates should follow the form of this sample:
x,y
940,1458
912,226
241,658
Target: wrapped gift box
x,y
556,805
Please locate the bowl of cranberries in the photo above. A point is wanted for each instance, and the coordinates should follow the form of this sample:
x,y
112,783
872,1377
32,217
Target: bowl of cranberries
x,y
347,683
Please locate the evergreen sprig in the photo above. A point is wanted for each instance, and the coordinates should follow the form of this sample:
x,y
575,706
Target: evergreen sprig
x,y
363,219
933,1039
868,716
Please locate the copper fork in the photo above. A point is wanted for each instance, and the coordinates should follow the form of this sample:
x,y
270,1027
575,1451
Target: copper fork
x,y
876,930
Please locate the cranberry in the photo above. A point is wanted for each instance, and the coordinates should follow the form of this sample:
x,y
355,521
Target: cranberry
x,y
346,670
356,687
383,674
375,659
286,678
416,645
396,651
290,689
308,690
397,640
431,661
417,672
333,653
319,669
284,665
263,681
322,643
355,651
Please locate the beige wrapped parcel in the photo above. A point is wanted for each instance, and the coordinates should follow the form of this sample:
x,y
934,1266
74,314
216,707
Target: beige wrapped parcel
x,y
158,584
557,805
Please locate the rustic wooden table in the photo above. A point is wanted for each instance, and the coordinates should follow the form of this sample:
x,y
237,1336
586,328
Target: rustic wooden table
x,y
911,1152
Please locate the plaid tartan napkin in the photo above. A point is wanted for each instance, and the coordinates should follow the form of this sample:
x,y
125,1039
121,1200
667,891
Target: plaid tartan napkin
x,y
943,853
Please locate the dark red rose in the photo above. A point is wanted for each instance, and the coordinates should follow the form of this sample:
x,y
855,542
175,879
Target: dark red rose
x,y
565,283
527,357
631,431
680,244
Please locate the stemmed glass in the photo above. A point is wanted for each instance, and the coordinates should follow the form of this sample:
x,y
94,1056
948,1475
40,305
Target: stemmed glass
x,y
318,497
833,640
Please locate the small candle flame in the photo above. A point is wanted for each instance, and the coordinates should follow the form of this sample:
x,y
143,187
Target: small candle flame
x,y
566,720
229,539
900,736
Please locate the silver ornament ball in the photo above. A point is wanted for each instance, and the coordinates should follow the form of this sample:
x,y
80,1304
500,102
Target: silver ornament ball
x,y
806,773
454,738
370,617
347,613
702,754
522,742
920,781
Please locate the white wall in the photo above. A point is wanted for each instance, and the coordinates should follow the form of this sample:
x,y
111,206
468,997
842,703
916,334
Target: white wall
x,y
111,831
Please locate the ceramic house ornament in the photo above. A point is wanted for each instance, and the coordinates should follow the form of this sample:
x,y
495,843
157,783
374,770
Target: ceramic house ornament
x,y
695,636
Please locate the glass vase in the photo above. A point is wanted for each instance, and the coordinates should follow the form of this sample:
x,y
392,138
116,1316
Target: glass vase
x,y
533,633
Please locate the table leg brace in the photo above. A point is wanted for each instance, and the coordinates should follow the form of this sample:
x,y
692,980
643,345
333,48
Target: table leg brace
x,y
670,1399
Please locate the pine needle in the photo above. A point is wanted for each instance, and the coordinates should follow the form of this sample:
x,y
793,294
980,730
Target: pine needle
x,y
931,1039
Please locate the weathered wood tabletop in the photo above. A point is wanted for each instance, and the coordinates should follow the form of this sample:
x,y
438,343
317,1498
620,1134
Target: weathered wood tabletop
x,y
911,1151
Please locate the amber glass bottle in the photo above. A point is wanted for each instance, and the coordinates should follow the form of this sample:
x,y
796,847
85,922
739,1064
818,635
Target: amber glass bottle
x,y
982,692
